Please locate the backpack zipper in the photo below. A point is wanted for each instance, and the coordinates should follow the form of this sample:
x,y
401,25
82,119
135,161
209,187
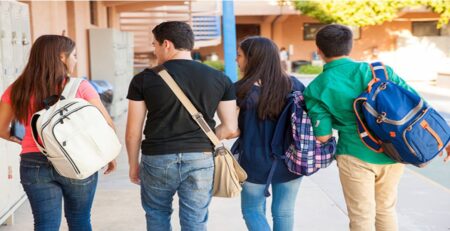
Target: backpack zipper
x,y
75,167
379,89
409,128
52,116
405,119
424,124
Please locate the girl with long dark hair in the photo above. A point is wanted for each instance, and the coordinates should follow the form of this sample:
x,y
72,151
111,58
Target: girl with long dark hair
x,y
262,94
52,60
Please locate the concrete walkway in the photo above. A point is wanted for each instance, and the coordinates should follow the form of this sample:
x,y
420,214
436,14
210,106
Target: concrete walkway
x,y
424,205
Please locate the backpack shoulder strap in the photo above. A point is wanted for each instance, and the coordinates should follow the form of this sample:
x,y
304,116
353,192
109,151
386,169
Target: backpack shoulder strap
x,y
35,133
379,73
364,134
71,88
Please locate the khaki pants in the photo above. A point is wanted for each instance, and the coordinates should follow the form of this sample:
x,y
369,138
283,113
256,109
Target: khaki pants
x,y
370,192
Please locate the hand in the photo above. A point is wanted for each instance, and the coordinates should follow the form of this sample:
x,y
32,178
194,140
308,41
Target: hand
x,y
112,166
447,158
134,174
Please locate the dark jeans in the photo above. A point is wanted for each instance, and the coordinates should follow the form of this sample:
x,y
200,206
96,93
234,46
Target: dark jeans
x,y
45,189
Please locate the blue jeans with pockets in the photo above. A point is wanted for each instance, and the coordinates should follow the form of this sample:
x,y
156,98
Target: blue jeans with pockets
x,y
46,190
190,175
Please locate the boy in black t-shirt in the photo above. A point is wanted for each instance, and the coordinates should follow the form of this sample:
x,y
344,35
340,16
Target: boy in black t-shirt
x,y
176,154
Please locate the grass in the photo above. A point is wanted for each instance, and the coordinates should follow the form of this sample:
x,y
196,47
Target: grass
x,y
310,69
218,65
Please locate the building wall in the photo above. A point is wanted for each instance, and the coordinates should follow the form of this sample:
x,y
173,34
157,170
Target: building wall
x,y
54,17
49,17
372,38
73,17
80,25
289,31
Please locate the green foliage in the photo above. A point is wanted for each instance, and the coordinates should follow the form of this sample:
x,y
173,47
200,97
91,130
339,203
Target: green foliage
x,y
310,69
367,12
218,65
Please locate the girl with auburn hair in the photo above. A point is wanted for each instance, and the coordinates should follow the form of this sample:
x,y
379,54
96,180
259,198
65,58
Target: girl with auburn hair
x,y
52,60
262,94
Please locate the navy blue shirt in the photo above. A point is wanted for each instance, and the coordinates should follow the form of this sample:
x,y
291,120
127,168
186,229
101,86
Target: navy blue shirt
x,y
255,154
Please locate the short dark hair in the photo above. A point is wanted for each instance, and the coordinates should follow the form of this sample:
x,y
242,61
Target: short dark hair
x,y
334,40
179,33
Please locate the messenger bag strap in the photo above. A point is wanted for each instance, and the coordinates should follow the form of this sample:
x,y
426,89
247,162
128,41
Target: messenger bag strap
x,y
196,115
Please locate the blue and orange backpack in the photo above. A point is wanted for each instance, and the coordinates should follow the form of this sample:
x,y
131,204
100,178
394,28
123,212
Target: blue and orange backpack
x,y
399,123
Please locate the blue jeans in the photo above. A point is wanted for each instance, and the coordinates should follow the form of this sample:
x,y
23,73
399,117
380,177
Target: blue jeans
x,y
45,189
253,205
188,174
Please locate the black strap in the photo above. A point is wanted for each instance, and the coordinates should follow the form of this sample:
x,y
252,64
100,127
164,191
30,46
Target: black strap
x,y
49,101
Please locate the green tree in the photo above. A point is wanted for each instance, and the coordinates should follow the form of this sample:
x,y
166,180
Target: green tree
x,y
367,12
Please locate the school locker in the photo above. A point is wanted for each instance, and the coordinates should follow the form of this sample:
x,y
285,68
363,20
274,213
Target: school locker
x,y
14,50
2,84
111,57
13,160
6,41
23,36
4,186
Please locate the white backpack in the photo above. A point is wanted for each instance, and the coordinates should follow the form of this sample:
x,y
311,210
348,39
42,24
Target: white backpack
x,y
75,136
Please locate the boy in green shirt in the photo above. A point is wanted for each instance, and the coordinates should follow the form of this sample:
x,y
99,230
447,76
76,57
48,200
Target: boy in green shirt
x,y
369,179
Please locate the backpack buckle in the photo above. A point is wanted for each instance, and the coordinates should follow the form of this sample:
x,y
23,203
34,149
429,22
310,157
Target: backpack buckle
x,y
381,117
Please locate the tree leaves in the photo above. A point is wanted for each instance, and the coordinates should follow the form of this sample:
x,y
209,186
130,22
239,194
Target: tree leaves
x,y
367,12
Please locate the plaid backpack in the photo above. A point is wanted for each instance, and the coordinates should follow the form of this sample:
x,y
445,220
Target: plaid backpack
x,y
294,140
305,155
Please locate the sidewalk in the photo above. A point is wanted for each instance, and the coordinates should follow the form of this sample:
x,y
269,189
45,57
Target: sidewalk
x,y
423,206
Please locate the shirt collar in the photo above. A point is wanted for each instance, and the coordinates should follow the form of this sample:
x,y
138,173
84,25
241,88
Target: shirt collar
x,y
337,62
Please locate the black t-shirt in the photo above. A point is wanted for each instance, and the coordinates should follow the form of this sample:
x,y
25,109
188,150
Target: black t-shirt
x,y
169,128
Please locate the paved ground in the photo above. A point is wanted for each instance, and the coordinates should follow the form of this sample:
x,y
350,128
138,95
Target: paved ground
x,y
424,203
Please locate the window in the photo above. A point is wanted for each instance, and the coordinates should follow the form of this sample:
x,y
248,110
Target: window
x,y
425,29
310,30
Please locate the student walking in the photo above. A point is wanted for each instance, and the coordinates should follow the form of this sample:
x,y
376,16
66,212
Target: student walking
x,y
176,153
369,179
262,94
52,60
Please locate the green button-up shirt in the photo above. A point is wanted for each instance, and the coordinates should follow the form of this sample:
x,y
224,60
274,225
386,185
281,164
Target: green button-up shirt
x,y
329,100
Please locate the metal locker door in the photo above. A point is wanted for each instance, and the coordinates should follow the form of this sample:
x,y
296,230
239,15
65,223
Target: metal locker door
x,y
16,38
130,50
15,188
6,41
117,61
4,184
2,81
25,37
